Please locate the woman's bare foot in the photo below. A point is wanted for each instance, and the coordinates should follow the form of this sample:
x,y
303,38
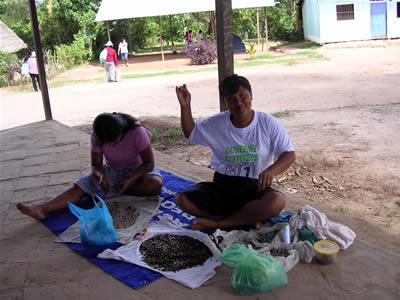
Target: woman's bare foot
x,y
31,211
203,223
258,225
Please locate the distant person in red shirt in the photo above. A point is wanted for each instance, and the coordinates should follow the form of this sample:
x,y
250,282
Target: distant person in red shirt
x,y
111,62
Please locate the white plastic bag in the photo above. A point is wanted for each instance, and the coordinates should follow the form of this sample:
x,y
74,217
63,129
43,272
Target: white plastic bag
x,y
103,55
118,75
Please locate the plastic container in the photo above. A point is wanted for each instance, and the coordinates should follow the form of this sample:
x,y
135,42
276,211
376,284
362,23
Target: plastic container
x,y
286,233
326,251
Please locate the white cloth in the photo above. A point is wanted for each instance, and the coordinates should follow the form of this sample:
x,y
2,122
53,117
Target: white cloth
x,y
324,229
123,47
192,277
245,151
146,207
298,251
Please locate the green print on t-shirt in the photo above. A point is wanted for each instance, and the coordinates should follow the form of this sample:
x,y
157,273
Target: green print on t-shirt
x,y
241,153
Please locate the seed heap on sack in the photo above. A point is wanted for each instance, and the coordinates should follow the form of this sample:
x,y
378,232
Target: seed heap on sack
x,y
279,252
266,237
123,217
172,253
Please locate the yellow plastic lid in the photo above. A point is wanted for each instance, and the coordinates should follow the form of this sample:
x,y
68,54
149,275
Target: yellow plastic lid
x,y
326,247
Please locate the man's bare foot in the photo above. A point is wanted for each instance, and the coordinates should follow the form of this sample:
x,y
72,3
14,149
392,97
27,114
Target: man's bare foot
x,y
203,223
31,211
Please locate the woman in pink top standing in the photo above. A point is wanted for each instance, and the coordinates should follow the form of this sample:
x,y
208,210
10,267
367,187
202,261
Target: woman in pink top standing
x,y
122,163
33,70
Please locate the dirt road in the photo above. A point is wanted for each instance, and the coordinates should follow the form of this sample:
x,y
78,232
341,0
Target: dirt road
x,y
341,112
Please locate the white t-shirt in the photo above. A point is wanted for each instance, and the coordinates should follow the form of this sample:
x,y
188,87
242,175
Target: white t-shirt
x,y
123,47
245,151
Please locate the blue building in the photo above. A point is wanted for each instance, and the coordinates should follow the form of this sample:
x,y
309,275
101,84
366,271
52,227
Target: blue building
x,y
329,21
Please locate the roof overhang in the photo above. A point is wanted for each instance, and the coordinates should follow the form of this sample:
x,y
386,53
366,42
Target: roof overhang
x,y
128,9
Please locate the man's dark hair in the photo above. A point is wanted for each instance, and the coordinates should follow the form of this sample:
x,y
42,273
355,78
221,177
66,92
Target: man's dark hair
x,y
107,127
231,84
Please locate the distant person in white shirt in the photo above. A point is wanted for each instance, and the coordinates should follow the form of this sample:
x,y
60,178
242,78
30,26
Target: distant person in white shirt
x,y
199,36
123,50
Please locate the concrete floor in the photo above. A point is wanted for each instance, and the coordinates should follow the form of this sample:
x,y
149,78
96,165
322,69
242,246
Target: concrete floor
x,y
39,160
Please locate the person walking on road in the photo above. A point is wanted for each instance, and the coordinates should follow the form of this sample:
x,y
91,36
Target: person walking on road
x,y
33,71
123,50
111,62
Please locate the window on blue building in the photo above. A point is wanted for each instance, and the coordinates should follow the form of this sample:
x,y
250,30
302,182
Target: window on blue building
x,y
345,12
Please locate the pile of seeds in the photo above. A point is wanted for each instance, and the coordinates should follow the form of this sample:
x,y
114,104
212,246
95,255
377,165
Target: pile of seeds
x,y
172,253
279,252
123,217
266,237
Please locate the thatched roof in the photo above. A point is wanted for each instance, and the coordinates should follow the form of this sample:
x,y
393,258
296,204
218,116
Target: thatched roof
x,y
9,41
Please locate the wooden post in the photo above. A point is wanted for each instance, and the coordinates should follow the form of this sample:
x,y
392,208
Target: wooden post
x,y
212,21
108,31
40,62
159,27
170,27
266,28
223,12
258,26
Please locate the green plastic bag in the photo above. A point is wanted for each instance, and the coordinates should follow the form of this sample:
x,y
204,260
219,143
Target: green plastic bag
x,y
253,273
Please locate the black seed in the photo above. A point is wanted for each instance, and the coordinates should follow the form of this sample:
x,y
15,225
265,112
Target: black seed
x,y
266,237
172,253
279,252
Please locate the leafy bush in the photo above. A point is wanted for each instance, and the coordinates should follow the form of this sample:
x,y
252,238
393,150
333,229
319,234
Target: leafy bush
x,y
74,54
203,52
8,65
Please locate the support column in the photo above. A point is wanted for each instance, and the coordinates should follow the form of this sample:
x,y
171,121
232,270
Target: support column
x,y
40,62
159,27
108,31
223,12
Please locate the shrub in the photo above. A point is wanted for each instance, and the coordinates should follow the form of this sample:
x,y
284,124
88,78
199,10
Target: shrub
x,y
203,52
251,49
8,66
74,54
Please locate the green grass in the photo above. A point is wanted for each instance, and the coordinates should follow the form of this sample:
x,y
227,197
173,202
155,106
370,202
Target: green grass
x,y
310,45
157,48
388,223
289,59
342,209
377,212
280,114
398,202
154,134
166,73
173,134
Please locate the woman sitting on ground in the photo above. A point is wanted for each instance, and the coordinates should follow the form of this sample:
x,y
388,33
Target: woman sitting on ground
x,y
244,143
128,169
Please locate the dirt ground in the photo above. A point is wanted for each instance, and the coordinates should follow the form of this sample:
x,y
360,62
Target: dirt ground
x,y
346,134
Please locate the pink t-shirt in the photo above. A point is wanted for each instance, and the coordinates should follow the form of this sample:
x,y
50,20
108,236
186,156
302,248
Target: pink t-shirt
x,y
126,152
32,65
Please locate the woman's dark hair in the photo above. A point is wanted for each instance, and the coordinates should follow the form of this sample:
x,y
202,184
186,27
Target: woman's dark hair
x,y
107,127
231,84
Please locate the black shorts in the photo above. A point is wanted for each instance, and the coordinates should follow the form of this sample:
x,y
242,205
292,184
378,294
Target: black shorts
x,y
225,194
